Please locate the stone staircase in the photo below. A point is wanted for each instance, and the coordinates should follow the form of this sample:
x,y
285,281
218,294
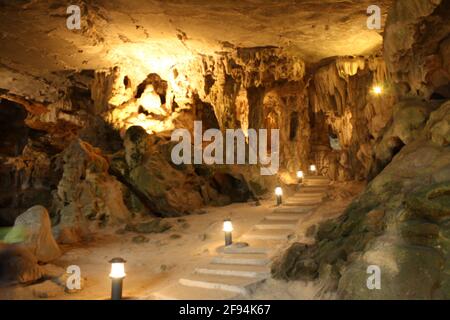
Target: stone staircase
x,y
238,270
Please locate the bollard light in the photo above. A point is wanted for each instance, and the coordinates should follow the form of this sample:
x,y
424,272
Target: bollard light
x,y
300,176
228,229
117,275
279,194
313,169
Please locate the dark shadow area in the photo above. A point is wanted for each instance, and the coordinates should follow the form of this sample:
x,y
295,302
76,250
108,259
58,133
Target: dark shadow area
x,y
13,130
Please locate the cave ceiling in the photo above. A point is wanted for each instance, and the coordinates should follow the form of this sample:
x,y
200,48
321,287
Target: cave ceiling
x,y
157,33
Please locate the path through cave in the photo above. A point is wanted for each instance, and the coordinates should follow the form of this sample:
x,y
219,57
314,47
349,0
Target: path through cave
x,y
90,128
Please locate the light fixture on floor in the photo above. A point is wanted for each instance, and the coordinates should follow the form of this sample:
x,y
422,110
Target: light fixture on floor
x,y
313,169
279,194
300,176
117,275
228,229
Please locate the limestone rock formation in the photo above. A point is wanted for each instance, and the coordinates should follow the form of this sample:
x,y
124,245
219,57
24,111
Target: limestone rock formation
x,y
408,119
87,125
345,107
167,189
86,192
32,229
420,70
400,223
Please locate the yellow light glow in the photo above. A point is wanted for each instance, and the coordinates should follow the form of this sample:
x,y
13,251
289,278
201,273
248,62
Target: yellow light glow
x,y
151,102
117,270
300,174
141,59
227,226
312,168
278,191
377,90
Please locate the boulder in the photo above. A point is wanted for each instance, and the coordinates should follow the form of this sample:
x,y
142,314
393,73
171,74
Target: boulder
x,y
165,189
18,265
33,230
407,272
87,196
439,125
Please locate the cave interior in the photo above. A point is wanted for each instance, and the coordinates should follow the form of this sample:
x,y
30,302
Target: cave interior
x,y
345,106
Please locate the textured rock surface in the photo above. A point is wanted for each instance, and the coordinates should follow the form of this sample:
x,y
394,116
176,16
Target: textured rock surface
x,y
32,229
134,32
344,107
87,122
18,264
400,223
86,192
408,119
166,189
416,46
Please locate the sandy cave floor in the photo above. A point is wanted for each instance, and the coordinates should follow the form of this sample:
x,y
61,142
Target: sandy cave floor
x,y
191,241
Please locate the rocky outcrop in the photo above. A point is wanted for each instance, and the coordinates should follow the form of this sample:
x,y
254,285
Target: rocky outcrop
x,y
409,118
27,168
416,47
18,265
346,116
400,223
33,230
171,191
86,192
165,189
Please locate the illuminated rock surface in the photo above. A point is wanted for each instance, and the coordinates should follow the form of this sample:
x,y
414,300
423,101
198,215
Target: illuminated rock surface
x,y
86,118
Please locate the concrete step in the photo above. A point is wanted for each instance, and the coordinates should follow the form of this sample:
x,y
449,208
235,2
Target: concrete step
x,y
272,224
235,270
300,203
269,235
244,250
311,195
252,259
285,216
311,177
316,179
316,183
180,292
298,209
312,189
240,285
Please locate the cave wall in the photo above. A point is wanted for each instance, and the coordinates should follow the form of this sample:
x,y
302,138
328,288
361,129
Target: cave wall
x,y
262,87
344,106
416,47
400,222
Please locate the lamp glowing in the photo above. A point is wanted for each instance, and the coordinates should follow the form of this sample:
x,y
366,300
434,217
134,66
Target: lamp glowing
x,y
117,275
228,229
279,194
313,169
377,90
300,176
